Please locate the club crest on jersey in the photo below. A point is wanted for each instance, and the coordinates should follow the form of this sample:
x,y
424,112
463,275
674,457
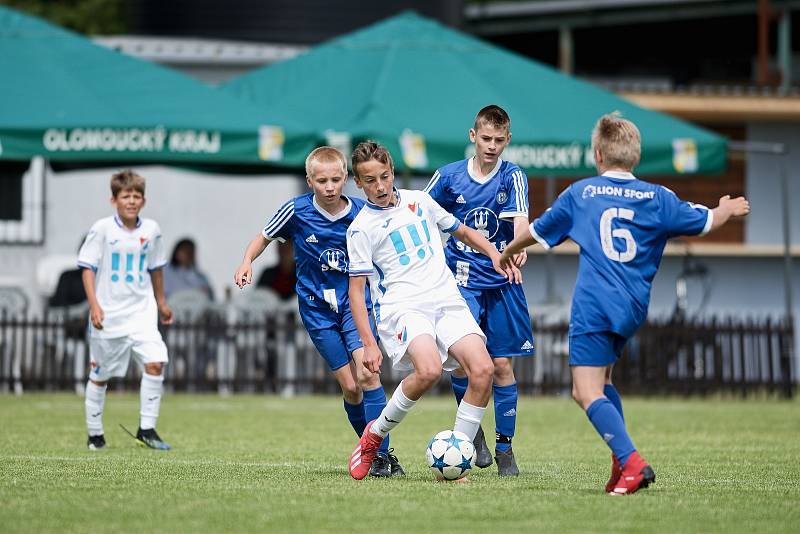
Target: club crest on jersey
x,y
502,196
333,259
145,244
483,220
415,208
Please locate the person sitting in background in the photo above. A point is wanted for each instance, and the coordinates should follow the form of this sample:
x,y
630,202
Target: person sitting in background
x,y
281,278
182,273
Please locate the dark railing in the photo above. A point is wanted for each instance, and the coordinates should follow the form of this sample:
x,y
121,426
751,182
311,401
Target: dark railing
x,y
271,352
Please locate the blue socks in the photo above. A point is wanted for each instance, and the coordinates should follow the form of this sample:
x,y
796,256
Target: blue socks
x,y
612,394
459,385
374,403
609,424
505,414
355,414
505,409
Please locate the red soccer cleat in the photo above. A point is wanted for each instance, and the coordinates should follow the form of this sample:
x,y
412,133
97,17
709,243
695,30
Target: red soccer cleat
x,y
364,453
636,474
616,472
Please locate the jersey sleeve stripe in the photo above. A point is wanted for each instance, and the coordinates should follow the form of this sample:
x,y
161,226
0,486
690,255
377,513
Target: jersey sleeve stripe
x,y
432,183
279,220
453,228
537,237
360,272
519,185
709,222
87,266
157,267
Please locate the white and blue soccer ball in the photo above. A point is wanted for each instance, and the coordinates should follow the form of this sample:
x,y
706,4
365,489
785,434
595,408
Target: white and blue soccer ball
x,y
450,454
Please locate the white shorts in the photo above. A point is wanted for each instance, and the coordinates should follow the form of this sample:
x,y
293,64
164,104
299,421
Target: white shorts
x,y
110,356
446,322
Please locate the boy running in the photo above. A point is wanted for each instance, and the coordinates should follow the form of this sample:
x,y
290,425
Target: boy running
x,y
422,320
317,223
621,224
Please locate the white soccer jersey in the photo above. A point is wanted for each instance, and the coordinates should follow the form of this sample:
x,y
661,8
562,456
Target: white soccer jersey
x,y
399,248
122,260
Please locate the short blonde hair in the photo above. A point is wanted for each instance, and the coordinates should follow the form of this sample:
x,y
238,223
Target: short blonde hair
x,y
126,179
618,140
493,115
369,150
325,154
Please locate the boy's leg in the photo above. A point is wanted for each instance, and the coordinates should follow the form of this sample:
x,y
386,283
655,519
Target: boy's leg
x,y
109,358
505,415
470,353
587,390
94,404
424,355
153,355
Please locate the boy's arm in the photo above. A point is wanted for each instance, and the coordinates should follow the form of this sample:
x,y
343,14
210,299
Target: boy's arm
x,y
519,244
475,240
729,207
164,311
244,274
521,229
358,308
96,313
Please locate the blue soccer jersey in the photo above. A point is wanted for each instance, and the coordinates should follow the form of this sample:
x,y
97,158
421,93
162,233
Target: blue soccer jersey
x,y
320,249
488,205
622,225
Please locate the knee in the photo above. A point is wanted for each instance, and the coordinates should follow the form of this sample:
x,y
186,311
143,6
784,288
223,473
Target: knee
x,y
351,392
153,368
503,370
481,373
367,379
429,374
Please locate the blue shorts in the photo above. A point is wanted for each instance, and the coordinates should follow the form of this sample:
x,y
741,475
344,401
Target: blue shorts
x,y
502,314
595,349
334,334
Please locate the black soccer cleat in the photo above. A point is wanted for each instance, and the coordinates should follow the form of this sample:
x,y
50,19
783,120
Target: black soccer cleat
x,y
96,443
483,458
150,438
506,464
381,466
397,469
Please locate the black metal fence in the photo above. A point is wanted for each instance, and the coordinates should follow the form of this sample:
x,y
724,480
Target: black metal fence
x,y
270,352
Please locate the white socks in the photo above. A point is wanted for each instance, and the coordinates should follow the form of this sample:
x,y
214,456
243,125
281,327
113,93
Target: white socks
x,y
95,400
396,409
468,419
150,400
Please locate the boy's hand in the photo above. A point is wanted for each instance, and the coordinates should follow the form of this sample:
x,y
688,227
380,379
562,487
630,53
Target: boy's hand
x,y
165,313
507,269
521,257
96,315
373,358
244,275
738,207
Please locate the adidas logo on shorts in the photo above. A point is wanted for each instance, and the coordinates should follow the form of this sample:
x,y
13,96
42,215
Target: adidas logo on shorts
x,y
312,239
460,200
527,345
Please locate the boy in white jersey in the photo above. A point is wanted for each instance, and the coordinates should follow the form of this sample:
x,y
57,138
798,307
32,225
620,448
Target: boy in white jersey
x,y
422,319
122,257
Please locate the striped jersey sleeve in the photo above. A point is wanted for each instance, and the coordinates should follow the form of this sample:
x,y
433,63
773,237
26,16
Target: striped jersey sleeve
x,y
517,205
280,225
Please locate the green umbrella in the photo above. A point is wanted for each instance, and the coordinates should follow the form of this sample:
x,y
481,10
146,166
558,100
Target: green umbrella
x,y
416,85
67,99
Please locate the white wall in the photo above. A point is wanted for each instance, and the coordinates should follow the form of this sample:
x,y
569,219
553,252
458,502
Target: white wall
x,y
220,212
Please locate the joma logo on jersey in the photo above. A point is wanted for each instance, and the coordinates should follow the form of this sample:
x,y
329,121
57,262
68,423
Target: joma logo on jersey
x,y
483,220
333,259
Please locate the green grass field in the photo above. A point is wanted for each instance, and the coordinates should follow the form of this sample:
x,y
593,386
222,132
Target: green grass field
x,y
255,463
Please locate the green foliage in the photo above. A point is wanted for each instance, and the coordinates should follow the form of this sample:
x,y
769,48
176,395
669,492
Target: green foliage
x,y
89,17
268,464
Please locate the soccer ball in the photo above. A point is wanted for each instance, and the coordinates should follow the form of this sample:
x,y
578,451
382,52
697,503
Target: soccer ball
x,y
450,454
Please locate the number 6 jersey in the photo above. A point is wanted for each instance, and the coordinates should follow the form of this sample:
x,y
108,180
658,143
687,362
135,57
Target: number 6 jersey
x,y
621,224
399,248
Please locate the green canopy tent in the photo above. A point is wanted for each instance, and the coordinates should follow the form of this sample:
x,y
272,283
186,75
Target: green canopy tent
x,y
415,86
69,100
